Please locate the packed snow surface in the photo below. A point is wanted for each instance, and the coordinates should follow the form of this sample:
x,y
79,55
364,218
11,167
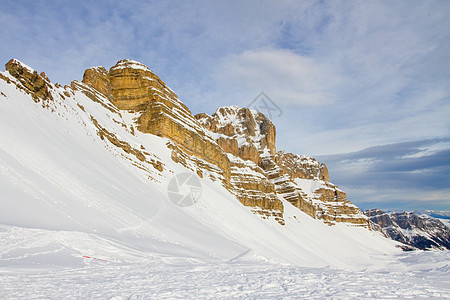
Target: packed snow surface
x,y
36,264
81,218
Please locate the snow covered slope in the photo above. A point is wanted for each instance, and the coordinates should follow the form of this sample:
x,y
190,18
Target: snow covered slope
x,y
77,179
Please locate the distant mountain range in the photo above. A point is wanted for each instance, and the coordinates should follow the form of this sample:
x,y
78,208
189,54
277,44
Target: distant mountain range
x,y
414,230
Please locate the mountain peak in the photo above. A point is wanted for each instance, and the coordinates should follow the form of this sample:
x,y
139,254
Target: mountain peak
x,y
131,64
37,84
245,133
129,84
18,64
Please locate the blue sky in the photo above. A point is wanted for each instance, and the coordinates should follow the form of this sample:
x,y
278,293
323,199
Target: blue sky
x,y
363,85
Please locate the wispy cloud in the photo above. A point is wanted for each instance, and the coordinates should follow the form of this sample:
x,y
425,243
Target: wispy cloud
x,y
292,79
417,171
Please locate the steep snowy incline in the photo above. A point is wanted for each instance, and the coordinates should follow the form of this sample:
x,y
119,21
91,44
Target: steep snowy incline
x,y
77,179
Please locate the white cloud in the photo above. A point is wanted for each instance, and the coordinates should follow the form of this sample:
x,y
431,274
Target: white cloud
x,y
399,198
288,78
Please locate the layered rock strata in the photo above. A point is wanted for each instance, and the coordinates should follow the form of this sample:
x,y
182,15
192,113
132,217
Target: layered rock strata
x,y
133,87
249,138
38,85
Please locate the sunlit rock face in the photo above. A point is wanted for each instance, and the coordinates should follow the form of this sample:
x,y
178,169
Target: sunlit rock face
x,y
243,133
134,87
249,138
98,79
37,85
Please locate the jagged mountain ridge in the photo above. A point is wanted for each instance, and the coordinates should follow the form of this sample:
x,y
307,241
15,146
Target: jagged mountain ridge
x,y
235,145
418,231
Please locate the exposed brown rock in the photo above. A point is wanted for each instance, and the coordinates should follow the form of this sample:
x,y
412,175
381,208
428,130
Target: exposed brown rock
x,y
98,79
254,189
257,130
38,85
257,135
300,166
268,132
335,207
228,145
249,152
286,188
323,174
134,87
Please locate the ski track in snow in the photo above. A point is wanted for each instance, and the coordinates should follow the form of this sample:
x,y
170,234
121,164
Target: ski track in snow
x,y
104,280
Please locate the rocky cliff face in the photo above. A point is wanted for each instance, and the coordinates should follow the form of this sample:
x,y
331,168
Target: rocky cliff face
x,y
249,139
37,85
418,231
241,132
133,87
235,146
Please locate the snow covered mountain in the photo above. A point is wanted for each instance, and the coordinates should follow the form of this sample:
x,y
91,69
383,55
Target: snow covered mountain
x,y
93,162
419,231
234,145
110,188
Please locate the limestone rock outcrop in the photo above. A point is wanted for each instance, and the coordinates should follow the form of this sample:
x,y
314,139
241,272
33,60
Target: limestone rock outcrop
x,y
36,84
98,79
301,166
242,133
134,87
249,138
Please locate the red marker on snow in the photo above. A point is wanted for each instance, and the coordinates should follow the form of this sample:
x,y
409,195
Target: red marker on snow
x,y
94,258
